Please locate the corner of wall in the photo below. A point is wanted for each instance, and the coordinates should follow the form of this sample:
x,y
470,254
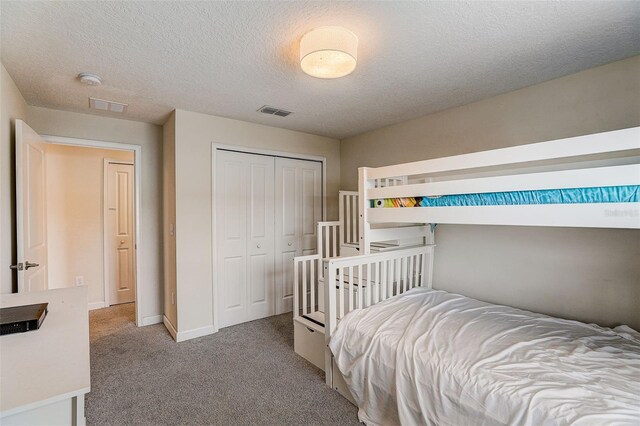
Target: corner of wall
x,y
169,221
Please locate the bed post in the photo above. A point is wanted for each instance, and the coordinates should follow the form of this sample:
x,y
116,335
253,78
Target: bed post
x,y
330,319
296,307
341,218
429,262
363,186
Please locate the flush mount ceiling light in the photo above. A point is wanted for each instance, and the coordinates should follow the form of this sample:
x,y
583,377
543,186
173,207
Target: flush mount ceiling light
x,y
89,79
329,52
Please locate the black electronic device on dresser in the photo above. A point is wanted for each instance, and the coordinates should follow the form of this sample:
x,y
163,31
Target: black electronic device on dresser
x,y
18,319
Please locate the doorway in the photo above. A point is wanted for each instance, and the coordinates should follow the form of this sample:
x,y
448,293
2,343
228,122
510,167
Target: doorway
x,y
54,211
61,186
266,207
91,222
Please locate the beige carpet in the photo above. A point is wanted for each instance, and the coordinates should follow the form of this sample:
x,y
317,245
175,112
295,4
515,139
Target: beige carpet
x,y
243,375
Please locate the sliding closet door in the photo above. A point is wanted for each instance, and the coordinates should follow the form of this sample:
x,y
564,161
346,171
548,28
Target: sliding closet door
x,y
298,207
244,236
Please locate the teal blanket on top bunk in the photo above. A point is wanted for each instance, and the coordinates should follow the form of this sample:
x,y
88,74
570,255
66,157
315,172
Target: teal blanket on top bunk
x,y
604,194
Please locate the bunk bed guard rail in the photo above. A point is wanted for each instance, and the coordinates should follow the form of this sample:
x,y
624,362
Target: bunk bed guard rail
x,y
360,281
605,164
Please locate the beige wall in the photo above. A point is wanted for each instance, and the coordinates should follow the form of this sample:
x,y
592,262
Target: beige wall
x,y
169,219
149,137
12,107
75,226
587,274
195,134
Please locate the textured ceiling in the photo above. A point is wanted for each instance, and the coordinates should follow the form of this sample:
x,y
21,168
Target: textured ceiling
x,y
230,58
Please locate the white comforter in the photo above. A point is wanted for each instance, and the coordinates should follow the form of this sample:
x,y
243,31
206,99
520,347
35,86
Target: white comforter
x,y
431,357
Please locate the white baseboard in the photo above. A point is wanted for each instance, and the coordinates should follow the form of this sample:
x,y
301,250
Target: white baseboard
x,y
153,319
181,336
169,326
95,305
196,332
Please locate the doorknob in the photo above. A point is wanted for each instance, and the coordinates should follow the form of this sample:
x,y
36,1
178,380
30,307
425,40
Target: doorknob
x,y
259,246
289,244
121,241
28,265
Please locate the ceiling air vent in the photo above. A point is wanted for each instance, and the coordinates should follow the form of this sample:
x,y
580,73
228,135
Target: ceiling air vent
x,y
103,105
274,111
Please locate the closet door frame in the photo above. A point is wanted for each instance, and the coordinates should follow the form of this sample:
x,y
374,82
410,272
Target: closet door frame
x,y
215,147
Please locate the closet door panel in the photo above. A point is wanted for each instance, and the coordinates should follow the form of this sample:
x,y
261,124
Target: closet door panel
x,y
286,207
231,231
233,273
260,296
298,210
287,282
261,237
288,201
311,205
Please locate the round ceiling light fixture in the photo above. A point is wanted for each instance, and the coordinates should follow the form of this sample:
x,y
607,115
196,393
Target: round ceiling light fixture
x,y
89,79
328,52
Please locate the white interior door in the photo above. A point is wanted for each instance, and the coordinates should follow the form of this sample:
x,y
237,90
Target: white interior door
x,y
31,209
298,210
244,197
120,233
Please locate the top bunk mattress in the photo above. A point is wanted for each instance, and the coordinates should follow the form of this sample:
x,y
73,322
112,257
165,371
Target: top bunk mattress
x,y
431,357
604,194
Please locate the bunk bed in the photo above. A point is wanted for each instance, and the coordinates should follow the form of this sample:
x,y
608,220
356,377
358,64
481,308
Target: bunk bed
x,y
406,353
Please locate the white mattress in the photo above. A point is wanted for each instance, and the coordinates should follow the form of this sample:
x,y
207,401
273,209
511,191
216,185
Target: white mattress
x,y
431,357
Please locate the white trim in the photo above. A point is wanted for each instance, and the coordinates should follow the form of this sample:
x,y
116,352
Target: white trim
x,y
172,331
153,319
95,305
268,152
247,150
137,159
196,332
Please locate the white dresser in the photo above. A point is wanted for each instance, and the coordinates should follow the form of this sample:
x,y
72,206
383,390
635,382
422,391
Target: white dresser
x,y
44,374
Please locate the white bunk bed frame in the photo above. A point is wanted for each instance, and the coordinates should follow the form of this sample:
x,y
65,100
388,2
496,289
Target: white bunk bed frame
x,y
604,159
334,239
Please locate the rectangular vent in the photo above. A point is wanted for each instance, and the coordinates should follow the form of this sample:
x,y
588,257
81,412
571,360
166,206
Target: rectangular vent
x,y
274,111
104,105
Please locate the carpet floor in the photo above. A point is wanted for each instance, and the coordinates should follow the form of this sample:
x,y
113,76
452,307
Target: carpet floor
x,y
243,375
